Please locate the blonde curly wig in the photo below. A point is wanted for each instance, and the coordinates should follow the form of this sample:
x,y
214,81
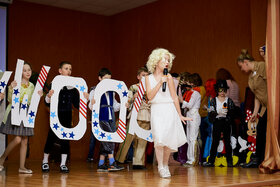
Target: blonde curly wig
x,y
156,56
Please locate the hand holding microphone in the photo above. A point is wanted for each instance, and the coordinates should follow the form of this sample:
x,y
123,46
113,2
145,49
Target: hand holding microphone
x,y
165,72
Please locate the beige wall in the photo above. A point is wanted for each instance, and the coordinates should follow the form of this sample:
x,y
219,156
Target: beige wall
x,y
204,36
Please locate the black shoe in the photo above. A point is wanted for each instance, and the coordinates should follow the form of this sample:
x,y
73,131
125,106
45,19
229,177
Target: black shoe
x,y
140,167
45,167
102,168
64,169
251,164
115,167
208,164
89,159
229,164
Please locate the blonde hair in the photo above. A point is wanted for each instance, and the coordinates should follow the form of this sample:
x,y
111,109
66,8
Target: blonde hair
x,y
156,56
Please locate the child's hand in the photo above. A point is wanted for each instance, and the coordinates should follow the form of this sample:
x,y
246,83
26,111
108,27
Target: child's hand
x,y
184,119
127,105
14,84
50,93
2,95
92,101
164,79
86,95
40,92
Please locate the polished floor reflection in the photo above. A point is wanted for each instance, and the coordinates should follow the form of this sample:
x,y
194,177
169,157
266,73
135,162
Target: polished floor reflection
x,y
84,174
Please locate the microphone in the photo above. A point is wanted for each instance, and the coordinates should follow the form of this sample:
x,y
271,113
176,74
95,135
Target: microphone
x,y
225,105
165,72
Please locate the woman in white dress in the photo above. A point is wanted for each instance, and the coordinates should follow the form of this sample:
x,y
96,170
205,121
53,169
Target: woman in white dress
x,y
166,117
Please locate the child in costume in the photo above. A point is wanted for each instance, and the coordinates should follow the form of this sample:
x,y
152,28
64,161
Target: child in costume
x,y
221,115
192,100
143,120
21,133
68,96
108,107
167,130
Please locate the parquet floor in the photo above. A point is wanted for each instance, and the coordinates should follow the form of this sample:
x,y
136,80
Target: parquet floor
x,y
84,174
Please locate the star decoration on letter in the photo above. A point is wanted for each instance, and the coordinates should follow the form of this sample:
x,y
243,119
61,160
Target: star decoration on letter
x,y
64,135
82,88
16,91
95,115
102,135
55,126
32,114
119,86
109,137
23,106
16,100
96,131
30,120
3,84
53,114
71,135
151,136
95,123
124,93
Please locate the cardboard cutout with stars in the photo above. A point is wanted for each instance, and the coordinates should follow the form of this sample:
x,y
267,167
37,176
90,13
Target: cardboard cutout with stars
x,y
4,80
104,86
19,110
134,127
79,130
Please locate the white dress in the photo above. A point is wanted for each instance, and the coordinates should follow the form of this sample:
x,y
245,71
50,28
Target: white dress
x,y
166,125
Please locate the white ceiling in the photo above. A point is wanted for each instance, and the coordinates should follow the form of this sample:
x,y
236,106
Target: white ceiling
x,y
100,7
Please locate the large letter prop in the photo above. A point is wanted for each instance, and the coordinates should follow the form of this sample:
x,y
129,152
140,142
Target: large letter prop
x,y
104,86
4,80
19,112
133,125
62,132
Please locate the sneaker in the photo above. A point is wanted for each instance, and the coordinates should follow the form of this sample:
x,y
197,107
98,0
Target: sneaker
x,y
168,174
115,167
163,173
102,168
64,169
45,167
188,165
208,164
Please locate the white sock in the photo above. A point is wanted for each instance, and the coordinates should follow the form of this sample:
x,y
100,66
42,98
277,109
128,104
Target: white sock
x,y
63,159
46,158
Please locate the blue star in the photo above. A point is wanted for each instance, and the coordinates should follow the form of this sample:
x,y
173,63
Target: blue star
x,y
12,107
30,120
95,123
95,115
61,129
55,126
82,88
31,113
64,135
3,84
16,91
151,136
109,137
53,114
77,86
102,135
96,131
119,86
71,135
23,106
16,100
125,93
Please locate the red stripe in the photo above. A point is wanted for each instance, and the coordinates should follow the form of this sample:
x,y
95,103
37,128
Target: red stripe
x,y
121,126
44,71
121,121
43,74
136,107
122,137
42,78
121,130
85,116
83,104
42,85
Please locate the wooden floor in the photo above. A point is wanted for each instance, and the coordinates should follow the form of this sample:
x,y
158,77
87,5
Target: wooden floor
x,y
84,174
